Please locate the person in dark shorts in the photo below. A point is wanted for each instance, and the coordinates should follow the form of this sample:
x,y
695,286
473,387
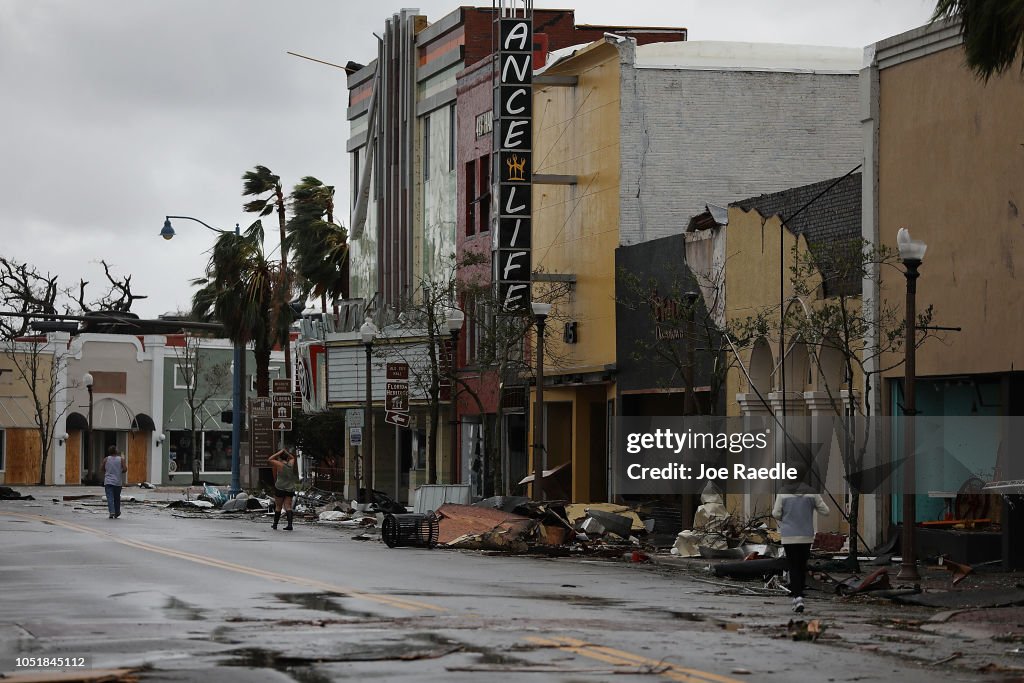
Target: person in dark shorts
x,y
286,479
113,469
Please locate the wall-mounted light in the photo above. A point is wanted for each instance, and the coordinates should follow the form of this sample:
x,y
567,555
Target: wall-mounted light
x,y
160,438
62,439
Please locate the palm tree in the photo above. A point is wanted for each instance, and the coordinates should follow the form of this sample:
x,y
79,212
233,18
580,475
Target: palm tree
x,y
266,187
319,245
993,32
241,290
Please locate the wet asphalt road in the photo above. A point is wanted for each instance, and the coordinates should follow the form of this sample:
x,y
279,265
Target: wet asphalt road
x,y
183,595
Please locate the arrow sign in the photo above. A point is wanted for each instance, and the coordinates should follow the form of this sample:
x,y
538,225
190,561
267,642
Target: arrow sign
x,y
400,419
282,425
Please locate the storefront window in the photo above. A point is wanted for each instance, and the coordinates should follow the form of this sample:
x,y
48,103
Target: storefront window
x,y
216,451
215,448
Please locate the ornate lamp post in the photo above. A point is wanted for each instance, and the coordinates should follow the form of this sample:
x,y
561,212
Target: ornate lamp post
x,y
540,313
454,321
167,232
912,254
368,332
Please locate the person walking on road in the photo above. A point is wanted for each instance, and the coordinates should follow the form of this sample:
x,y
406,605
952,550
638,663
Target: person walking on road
x,y
114,468
794,508
286,479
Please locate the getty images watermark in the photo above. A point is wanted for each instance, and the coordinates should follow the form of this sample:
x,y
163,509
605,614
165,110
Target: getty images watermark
x,y
759,454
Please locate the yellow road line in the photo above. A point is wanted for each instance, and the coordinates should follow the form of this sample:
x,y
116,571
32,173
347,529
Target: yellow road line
x,y
400,603
613,656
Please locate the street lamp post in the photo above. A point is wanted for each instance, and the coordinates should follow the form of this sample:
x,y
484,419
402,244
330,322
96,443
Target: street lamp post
x,y
912,254
540,313
367,333
87,380
454,321
167,232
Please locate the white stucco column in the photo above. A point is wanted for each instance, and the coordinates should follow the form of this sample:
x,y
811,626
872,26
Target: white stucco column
x,y
58,343
156,346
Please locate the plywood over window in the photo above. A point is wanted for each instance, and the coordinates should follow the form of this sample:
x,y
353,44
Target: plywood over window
x,y
73,459
138,447
24,453
110,382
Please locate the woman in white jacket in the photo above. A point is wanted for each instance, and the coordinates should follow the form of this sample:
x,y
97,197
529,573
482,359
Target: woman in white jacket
x,y
794,508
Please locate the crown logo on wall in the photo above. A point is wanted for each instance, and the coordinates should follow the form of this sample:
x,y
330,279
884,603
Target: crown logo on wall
x,y
516,168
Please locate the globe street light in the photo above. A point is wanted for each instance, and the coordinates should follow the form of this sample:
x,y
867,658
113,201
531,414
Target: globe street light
x,y
454,321
912,254
167,232
540,312
367,333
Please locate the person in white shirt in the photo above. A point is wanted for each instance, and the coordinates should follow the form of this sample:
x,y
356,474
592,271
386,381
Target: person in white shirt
x,y
794,508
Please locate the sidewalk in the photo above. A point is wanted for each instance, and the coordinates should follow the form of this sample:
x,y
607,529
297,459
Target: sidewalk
x,y
160,494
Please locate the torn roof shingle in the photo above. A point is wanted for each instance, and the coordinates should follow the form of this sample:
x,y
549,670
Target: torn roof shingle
x,y
832,219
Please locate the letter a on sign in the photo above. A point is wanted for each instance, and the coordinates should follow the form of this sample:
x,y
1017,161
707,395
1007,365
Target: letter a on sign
x,y
516,36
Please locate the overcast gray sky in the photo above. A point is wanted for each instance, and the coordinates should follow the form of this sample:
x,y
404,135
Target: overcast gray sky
x,y
117,112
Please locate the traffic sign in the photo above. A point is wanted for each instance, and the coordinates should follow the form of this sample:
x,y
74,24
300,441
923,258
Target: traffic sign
x,y
355,436
354,417
400,419
397,371
283,412
281,399
398,403
281,386
282,425
396,397
260,407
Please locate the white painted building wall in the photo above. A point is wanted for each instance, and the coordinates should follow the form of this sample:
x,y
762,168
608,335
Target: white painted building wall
x,y
719,122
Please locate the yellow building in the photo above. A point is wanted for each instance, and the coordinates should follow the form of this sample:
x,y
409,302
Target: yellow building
x,y
625,149
26,377
745,257
944,160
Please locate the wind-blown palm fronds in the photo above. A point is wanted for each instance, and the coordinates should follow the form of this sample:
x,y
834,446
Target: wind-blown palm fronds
x,y
319,246
241,291
993,32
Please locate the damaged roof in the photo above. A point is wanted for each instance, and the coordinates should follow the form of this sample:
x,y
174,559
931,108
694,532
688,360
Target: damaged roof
x,y
833,218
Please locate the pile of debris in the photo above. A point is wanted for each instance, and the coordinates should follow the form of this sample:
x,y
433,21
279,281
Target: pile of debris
x,y
516,524
718,534
214,498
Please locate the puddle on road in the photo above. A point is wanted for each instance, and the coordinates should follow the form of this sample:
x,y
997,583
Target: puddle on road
x,y
171,607
179,609
322,602
685,616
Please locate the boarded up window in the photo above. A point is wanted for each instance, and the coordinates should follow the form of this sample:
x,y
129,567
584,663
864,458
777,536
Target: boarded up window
x,y
110,382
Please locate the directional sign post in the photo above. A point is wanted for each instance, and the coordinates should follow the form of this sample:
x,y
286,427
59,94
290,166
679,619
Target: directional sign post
x,y
261,438
400,419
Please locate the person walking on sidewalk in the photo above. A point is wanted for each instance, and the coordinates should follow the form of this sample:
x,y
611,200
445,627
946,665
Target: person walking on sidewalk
x,y
286,480
114,468
794,508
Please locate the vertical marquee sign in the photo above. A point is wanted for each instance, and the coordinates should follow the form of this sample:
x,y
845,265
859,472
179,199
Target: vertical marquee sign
x,y
513,143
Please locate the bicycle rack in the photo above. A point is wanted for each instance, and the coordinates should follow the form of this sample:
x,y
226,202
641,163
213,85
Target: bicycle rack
x,y
410,530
